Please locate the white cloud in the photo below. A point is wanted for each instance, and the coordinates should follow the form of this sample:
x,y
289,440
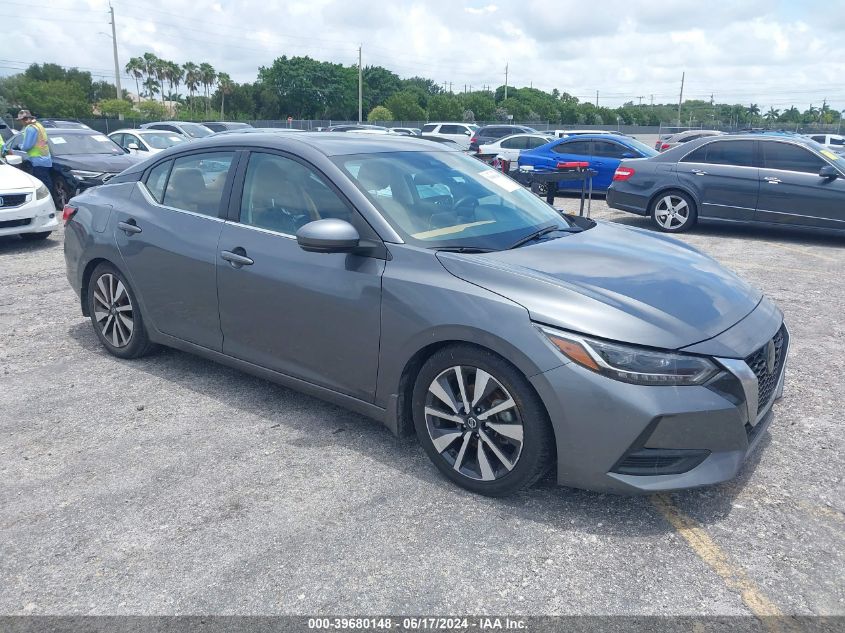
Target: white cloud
x,y
490,8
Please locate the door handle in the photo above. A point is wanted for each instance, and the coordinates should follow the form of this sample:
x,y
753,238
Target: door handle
x,y
771,180
699,172
129,227
237,259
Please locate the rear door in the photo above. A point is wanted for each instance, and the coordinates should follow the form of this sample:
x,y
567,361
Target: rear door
x,y
605,158
793,193
724,177
509,148
168,235
572,150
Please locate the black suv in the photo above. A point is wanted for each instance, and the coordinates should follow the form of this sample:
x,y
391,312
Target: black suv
x,y
490,133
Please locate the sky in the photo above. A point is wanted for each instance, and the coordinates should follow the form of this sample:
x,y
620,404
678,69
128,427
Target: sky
x,y
772,53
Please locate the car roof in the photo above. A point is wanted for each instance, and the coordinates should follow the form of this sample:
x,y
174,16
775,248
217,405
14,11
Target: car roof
x,y
674,154
71,130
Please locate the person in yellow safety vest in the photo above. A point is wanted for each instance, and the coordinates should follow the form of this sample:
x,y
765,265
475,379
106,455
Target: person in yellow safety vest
x,y
34,148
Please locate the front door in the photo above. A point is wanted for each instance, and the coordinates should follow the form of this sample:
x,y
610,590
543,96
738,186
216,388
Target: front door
x,y
793,193
724,177
167,235
313,316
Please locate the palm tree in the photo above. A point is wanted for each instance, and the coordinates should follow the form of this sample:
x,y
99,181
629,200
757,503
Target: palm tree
x,y
151,86
753,111
135,67
175,75
160,74
207,78
192,80
772,115
225,85
791,115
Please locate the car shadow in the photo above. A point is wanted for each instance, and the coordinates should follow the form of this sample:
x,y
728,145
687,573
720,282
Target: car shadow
x,y
324,424
16,244
799,237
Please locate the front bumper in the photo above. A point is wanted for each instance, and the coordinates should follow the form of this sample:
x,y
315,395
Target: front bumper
x,y
35,216
684,437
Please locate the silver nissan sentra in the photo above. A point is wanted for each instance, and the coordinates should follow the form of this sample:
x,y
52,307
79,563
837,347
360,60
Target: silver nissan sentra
x,y
415,285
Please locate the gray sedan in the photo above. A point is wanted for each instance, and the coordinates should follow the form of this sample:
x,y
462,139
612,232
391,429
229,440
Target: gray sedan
x,y
415,285
775,179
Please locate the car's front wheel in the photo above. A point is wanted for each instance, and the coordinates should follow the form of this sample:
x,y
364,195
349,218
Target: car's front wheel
x,y
480,421
115,313
673,212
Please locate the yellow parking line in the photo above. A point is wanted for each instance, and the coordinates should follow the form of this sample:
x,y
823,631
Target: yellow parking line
x,y
809,252
734,577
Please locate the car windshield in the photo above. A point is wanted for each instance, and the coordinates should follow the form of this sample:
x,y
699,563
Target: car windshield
x,y
449,200
642,148
162,140
71,144
195,130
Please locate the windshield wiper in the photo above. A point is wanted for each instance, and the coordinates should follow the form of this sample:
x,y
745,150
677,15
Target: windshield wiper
x,y
541,232
464,249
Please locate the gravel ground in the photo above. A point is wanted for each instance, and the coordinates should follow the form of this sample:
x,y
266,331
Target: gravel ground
x,y
171,485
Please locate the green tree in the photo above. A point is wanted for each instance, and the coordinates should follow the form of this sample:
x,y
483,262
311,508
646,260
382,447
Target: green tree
x,y
445,107
772,115
192,80
307,88
115,107
405,107
225,85
379,85
135,68
380,113
151,109
207,78
55,98
481,105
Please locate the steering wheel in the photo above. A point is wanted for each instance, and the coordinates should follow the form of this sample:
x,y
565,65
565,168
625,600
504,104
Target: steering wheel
x,y
463,200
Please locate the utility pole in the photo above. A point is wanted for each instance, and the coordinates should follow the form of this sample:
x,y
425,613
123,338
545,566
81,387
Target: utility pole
x,y
681,97
641,101
597,98
652,102
450,87
116,63
506,81
360,88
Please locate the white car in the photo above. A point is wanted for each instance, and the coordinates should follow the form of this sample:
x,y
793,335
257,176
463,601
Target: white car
x,y
26,207
509,147
147,142
833,142
461,133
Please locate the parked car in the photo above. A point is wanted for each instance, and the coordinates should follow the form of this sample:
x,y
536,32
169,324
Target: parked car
x,y
458,132
602,151
6,132
445,142
368,129
26,208
147,142
82,158
779,180
185,128
222,126
261,130
490,133
833,142
407,131
66,124
510,147
672,140
416,285
566,133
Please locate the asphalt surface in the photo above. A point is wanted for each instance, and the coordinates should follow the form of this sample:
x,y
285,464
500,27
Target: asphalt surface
x,y
171,485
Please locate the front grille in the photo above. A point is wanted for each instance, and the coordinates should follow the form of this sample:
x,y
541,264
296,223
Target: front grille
x,y
767,380
12,200
8,224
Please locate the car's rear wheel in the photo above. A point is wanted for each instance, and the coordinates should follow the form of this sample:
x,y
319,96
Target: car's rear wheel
x,y
115,314
480,421
34,237
673,212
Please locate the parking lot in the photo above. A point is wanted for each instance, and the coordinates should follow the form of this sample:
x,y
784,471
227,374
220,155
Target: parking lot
x,y
174,485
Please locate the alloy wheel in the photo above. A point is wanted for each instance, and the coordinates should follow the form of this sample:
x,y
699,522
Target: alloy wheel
x,y
672,212
113,311
474,423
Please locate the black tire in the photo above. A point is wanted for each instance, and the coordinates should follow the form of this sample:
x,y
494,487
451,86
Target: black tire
x,y
680,202
537,447
35,237
61,192
114,338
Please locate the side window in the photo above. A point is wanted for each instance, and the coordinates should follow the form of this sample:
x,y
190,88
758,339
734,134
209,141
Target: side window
x,y
788,157
837,141
514,143
580,148
692,137
608,149
428,128
157,179
451,129
818,139
128,139
535,141
196,182
282,195
118,138
696,156
739,153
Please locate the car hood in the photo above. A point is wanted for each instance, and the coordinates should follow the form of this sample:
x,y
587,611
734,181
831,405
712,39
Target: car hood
x,y
12,178
97,162
617,283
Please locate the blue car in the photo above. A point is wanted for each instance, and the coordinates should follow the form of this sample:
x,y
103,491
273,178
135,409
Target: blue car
x,y
604,152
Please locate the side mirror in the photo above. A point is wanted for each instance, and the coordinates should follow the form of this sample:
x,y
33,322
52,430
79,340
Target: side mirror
x,y
829,172
133,146
328,236
14,159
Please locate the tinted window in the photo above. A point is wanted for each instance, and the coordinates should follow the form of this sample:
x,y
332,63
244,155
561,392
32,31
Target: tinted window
x,y
157,179
581,148
119,139
196,182
536,141
724,153
283,195
788,157
161,140
453,129
428,128
610,150
164,126
837,141
818,139
514,143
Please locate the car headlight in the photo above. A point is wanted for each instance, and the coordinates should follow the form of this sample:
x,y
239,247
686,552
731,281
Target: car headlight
x,y
81,173
627,363
42,192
